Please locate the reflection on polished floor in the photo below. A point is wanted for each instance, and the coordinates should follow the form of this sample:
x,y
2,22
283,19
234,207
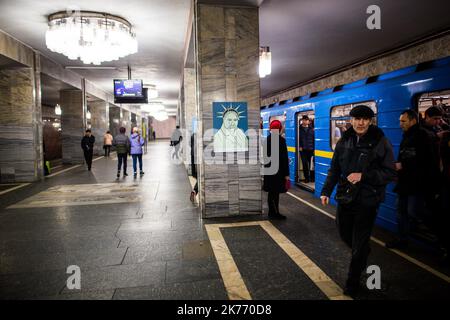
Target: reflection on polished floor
x,y
143,239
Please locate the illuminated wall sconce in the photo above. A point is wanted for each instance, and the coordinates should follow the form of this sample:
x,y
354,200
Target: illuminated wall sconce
x,y
58,110
88,115
265,62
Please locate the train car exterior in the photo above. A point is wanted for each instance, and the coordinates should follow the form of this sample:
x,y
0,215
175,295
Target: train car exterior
x,y
388,93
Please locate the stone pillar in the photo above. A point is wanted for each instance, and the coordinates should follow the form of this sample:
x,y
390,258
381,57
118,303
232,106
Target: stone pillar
x,y
133,120
189,108
99,123
72,126
114,119
227,56
21,151
125,120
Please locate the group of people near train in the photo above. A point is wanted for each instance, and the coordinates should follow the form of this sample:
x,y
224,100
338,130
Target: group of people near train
x,y
124,146
363,164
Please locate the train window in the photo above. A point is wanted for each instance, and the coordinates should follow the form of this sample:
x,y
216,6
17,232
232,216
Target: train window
x,y
440,99
340,119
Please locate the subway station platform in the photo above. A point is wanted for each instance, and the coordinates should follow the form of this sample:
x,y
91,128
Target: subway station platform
x,y
144,239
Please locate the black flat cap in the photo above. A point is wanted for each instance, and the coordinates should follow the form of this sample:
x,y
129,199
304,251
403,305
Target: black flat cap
x,y
362,111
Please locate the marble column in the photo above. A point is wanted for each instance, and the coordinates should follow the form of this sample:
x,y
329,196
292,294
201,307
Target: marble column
x,y
227,56
99,123
114,119
21,151
72,126
189,108
126,120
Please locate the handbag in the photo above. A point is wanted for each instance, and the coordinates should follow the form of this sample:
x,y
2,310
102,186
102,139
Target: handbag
x,y
346,191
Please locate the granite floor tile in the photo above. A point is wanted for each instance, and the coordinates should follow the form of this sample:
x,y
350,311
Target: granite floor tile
x,y
211,289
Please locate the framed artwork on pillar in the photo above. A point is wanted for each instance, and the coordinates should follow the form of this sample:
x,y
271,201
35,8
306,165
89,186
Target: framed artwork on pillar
x,y
230,123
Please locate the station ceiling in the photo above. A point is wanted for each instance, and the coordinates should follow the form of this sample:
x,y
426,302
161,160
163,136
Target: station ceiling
x,y
307,38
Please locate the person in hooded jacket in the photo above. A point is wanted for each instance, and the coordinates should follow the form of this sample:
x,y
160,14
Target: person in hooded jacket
x,y
361,167
136,142
275,182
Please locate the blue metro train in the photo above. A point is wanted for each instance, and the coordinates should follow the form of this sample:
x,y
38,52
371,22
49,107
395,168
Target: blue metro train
x,y
417,87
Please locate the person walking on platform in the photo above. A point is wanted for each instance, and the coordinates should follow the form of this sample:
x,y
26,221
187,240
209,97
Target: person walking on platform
x,y
414,178
306,147
122,144
107,143
361,167
136,142
87,144
277,182
175,141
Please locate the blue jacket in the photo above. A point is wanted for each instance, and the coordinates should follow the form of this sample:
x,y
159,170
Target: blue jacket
x,y
136,142
306,138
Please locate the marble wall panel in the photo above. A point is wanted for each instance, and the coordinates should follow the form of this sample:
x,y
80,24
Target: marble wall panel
x,y
99,123
20,125
13,49
114,119
72,126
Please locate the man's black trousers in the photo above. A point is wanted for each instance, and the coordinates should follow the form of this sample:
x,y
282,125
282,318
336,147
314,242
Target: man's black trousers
x,y
88,157
355,223
306,156
273,200
122,158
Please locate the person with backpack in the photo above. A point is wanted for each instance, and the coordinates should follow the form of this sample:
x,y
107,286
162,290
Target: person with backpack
x,y
122,144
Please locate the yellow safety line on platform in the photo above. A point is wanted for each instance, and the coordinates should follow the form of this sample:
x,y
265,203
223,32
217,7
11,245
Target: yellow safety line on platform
x,y
323,154
14,188
381,243
232,278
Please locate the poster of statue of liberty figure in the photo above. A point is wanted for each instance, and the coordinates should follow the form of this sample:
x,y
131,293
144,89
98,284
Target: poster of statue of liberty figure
x,y
230,122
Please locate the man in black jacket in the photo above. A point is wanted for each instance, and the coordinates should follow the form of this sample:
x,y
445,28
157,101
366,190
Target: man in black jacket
x,y
415,176
306,147
362,166
87,144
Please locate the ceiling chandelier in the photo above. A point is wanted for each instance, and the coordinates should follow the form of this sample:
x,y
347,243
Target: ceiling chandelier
x,y
91,36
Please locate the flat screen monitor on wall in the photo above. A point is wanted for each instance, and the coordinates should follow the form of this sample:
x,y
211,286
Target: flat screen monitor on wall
x,y
128,88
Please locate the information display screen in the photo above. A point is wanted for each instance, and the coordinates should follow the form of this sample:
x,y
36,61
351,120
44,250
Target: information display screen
x,y
128,88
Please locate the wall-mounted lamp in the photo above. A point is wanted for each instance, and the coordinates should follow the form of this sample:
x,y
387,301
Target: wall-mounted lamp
x,y
88,115
58,110
265,62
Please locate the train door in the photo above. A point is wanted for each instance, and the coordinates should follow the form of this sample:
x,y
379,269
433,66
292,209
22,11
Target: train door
x,y
305,146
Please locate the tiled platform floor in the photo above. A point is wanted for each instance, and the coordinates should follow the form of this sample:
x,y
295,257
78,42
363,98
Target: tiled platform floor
x,y
144,239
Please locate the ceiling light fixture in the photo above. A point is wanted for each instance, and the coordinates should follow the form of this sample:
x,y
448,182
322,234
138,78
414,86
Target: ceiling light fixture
x,y
93,37
156,110
265,62
152,92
